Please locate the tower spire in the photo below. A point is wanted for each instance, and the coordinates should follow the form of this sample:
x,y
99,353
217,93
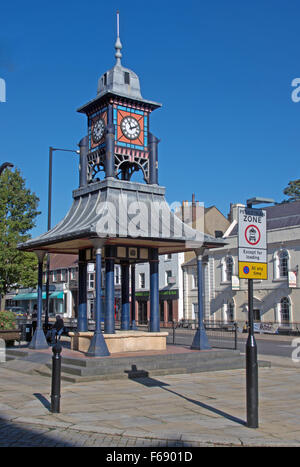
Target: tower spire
x,y
118,45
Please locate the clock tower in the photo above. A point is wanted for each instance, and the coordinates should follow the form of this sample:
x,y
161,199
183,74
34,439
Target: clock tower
x,y
119,140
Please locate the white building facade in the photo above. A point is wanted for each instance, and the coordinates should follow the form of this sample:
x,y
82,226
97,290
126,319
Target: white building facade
x,y
277,299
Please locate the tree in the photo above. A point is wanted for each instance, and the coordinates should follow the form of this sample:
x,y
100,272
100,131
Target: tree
x,y
18,211
293,190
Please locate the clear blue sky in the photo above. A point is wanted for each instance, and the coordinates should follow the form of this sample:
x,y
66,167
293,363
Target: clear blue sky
x,y
229,129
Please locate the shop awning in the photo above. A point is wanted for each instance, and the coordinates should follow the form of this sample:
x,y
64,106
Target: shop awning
x,y
58,294
33,296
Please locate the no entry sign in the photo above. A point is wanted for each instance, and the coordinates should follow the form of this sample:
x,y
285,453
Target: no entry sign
x,y
252,236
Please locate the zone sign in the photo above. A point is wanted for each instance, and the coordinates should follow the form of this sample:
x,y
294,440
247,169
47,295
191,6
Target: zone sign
x,y
252,228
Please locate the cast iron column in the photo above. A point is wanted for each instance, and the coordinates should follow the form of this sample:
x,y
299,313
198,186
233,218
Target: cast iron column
x,y
153,159
109,322
84,149
133,323
125,297
39,340
98,347
154,292
200,340
82,321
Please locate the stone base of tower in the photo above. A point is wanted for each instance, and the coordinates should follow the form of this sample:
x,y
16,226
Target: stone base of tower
x,y
122,341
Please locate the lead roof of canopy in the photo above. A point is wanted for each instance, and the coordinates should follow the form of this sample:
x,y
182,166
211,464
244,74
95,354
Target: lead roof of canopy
x,y
137,214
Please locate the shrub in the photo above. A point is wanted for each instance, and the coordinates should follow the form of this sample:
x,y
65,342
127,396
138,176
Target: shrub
x,y
7,320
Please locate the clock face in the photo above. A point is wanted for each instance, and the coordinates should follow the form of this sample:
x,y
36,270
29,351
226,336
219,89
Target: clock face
x,y
130,128
98,130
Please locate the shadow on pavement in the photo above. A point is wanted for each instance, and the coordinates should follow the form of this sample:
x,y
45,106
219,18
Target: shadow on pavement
x,y
141,377
43,400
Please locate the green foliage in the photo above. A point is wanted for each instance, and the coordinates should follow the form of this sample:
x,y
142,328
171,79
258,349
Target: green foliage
x,y
7,320
18,211
293,190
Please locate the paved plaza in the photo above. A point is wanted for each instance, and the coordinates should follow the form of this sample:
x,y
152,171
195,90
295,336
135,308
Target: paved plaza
x,y
199,409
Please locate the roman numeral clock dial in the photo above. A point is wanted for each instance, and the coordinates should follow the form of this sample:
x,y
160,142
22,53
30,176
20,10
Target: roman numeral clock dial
x,y
130,127
98,130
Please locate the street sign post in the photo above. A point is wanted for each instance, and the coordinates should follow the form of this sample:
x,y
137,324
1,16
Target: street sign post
x,y
252,249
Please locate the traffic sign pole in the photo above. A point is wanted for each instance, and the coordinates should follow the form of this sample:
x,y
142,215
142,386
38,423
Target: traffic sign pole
x,y
251,363
251,366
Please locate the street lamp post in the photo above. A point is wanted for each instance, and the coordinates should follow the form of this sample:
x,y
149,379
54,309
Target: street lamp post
x,y
51,150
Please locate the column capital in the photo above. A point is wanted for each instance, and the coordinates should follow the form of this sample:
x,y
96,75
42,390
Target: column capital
x,y
40,255
200,252
98,244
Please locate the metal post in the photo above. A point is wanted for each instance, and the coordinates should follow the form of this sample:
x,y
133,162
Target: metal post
x,y
109,321
56,377
154,292
173,332
200,340
48,228
153,151
98,347
235,336
39,340
133,301
125,297
251,366
82,321
84,149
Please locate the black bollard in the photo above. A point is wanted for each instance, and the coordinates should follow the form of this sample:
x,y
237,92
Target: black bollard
x,y
56,374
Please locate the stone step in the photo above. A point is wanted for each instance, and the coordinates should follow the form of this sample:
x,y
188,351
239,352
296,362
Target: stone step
x,y
17,353
170,358
121,366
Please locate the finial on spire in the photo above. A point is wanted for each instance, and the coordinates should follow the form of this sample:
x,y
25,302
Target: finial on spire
x,y
118,45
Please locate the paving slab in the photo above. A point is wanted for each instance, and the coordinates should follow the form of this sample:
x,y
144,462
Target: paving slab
x,y
202,408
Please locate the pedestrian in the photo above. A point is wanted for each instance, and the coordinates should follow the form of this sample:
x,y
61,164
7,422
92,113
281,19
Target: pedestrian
x,y
56,329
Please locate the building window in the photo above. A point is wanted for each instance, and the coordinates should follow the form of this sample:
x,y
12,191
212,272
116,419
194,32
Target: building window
x,y
256,315
117,275
126,77
228,268
168,275
63,275
283,264
54,276
142,280
72,274
91,281
168,257
285,310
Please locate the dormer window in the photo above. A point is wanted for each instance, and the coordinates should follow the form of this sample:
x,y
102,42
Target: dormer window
x,y
126,77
